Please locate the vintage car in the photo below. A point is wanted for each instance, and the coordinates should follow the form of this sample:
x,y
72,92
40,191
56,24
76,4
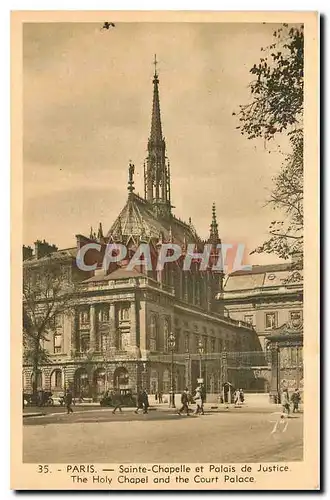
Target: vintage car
x,y
41,398
126,398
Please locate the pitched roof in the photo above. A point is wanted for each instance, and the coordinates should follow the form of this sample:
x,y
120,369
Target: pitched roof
x,y
57,255
271,275
137,219
268,268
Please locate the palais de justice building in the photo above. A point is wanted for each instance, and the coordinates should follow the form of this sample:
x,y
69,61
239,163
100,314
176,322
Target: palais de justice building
x,y
117,332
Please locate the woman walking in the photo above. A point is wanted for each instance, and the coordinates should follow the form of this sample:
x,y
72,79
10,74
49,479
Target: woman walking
x,y
199,401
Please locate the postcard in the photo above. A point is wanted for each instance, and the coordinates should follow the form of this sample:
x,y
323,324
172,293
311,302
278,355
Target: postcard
x,y
165,259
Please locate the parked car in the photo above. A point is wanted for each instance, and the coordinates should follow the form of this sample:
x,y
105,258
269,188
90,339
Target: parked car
x,y
58,400
128,399
41,398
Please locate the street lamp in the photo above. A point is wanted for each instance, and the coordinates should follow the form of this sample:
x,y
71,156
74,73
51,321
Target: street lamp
x,y
171,345
200,351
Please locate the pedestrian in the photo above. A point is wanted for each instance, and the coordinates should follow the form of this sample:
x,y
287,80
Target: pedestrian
x,y
156,396
117,401
237,397
203,395
184,402
160,397
139,402
145,401
199,402
242,396
285,401
68,402
295,398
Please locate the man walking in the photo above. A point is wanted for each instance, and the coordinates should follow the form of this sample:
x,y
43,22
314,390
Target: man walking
x,y
117,401
295,398
285,401
139,402
68,402
145,401
184,402
142,402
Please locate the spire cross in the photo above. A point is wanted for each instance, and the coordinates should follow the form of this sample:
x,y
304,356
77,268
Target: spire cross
x,y
155,64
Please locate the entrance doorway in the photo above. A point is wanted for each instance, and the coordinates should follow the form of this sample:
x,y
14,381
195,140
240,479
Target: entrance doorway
x,y
81,384
121,379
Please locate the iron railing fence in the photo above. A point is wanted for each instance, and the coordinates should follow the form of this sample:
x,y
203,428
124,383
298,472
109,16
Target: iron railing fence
x,y
231,359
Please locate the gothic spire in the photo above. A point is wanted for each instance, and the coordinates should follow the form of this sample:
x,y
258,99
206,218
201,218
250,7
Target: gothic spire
x,y
156,134
214,233
100,232
157,174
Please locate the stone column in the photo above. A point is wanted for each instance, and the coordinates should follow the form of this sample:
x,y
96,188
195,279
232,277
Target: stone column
x,y
69,343
143,328
274,380
68,376
92,330
133,324
188,372
193,279
112,325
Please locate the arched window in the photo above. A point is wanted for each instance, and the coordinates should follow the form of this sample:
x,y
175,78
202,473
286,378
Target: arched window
x,y
56,379
153,381
166,381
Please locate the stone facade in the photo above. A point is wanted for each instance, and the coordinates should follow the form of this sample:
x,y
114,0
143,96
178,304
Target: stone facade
x,y
270,298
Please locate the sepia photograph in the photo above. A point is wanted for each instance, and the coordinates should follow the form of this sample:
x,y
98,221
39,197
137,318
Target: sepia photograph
x,y
163,249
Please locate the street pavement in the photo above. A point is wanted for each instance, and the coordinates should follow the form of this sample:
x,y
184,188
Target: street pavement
x,y
92,435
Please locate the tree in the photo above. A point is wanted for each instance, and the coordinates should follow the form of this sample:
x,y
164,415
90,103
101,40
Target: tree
x,y
46,294
277,108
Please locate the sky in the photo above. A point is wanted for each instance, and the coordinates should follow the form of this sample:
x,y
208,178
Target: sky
x,y
87,97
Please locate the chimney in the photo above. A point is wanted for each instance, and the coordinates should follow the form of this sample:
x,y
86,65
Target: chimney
x,y
43,248
27,252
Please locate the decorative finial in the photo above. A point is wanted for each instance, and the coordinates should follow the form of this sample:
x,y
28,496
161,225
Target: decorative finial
x,y
155,64
100,232
91,233
131,169
189,221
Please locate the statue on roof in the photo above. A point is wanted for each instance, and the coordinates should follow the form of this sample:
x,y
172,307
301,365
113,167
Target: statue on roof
x,y
131,170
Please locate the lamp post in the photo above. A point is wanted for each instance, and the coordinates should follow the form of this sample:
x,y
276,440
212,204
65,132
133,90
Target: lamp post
x,y
171,345
200,351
